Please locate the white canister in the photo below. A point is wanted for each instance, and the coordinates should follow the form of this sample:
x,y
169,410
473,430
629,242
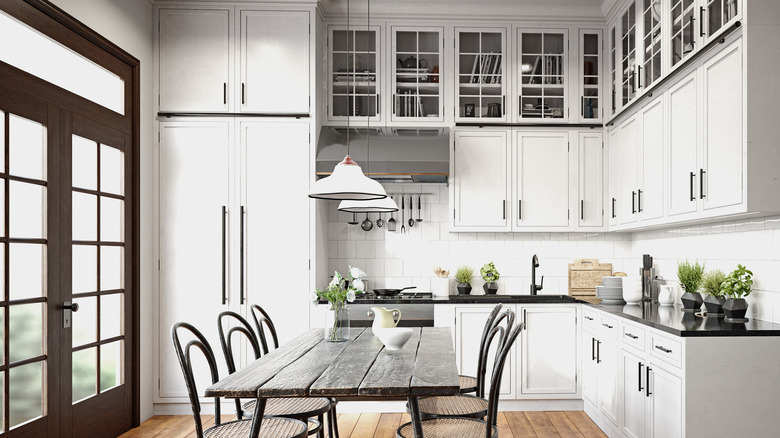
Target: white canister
x,y
440,286
666,295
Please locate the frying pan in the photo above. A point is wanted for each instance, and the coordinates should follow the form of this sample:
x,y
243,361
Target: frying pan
x,y
391,291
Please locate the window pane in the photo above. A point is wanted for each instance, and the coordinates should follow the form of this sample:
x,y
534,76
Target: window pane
x,y
112,170
84,373
111,267
25,331
27,146
111,223
111,365
84,268
85,165
85,321
82,77
27,208
84,216
25,398
110,316
2,152
27,270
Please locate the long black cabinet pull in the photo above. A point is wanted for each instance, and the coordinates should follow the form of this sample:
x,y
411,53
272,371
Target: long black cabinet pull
x,y
639,76
589,318
241,256
243,93
582,105
582,209
701,21
592,348
639,377
503,105
701,183
639,200
647,382
630,335
693,178
224,256
519,209
613,208
665,350
692,35
598,351
608,326
224,93
633,202
393,103
503,206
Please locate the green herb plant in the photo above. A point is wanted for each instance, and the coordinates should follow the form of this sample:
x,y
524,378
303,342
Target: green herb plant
x,y
690,275
711,283
464,274
739,283
489,272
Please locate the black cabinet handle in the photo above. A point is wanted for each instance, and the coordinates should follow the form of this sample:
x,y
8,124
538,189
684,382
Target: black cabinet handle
x,y
613,208
630,335
639,200
592,348
241,257
701,183
582,106
598,351
692,35
503,105
393,103
693,177
639,76
647,382
519,209
377,104
582,209
608,326
665,350
243,93
633,202
639,377
224,93
224,256
503,206
589,318
701,21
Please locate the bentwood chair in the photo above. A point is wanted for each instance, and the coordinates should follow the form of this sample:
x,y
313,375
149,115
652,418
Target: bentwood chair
x,y
265,331
464,427
270,426
300,408
468,384
468,405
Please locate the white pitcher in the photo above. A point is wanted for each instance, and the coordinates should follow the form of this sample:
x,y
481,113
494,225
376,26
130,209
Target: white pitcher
x,y
383,318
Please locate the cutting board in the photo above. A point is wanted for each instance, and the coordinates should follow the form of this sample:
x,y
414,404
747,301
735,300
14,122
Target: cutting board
x,y
585,275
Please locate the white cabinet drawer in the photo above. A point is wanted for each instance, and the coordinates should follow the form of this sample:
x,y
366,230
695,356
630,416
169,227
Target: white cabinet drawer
x,y
633,335
608,326
590,318
665,348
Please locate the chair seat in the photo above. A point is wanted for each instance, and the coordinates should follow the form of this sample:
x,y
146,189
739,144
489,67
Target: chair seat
x,y
467,384
270,427
448,428
291,407
453,406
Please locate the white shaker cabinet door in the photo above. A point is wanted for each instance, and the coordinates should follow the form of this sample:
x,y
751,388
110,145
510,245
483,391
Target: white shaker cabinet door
x,y
683,147
541,179
607,358
548,350
195,60
194,218
633,395
590,211
666,414
628,168
275,58
480,168
590,369
650,200
613,175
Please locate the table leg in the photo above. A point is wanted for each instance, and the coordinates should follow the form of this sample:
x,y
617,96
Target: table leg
x,y
414,412
257,418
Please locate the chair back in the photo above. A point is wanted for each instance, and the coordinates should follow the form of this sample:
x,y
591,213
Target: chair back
x,y
183,353
228,324
482,358
262,323
507,338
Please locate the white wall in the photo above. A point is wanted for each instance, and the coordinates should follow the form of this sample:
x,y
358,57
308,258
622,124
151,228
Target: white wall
x,y
129,25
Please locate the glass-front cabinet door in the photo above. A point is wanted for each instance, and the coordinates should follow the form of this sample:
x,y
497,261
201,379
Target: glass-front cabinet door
x,y
651,43
590,67
416,81
355,73
719,14
628,55
543,62
683,29
481,81
613,70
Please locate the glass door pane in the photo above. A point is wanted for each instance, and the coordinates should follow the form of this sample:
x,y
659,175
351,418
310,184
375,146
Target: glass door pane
x,y
590,86
416,74
651,16
354,74
683,32
480,73
628,63
542,75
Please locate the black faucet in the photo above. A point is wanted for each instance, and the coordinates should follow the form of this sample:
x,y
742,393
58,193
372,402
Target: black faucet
x,y
534,265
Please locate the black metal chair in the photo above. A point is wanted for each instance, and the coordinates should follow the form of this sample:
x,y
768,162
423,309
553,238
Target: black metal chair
x,y
468,405
265,330
465,427
300,408
270,426
469,384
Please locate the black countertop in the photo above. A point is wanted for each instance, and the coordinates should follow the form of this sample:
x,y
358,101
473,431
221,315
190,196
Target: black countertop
x,y
468,299
672,319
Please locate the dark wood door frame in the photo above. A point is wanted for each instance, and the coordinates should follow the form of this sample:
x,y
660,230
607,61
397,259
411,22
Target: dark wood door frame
x,y
68,31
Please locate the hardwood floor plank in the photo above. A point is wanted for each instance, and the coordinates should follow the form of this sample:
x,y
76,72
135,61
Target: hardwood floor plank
x,y
562,424
541,425
347,424
366,426
503,426
585,425
388,424
520,425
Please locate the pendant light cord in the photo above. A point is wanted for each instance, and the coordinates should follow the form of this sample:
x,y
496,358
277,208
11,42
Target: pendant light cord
x,y
350,74
368,77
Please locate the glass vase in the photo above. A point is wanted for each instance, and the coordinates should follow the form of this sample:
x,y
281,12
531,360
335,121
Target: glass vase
x,y
337,322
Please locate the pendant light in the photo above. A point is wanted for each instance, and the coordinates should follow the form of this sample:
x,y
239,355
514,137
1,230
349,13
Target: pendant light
x,y
347,182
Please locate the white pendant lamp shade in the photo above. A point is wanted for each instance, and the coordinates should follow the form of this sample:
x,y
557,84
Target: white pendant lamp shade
x,y
385,205
347,182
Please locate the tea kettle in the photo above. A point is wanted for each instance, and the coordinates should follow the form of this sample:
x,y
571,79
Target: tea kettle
x,y
411,62
383,318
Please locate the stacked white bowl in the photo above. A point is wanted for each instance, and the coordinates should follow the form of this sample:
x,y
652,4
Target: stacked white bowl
x,y
632,290
611,290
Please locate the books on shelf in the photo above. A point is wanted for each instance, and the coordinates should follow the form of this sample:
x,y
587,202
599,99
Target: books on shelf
x,y
409,104
486,69
549,68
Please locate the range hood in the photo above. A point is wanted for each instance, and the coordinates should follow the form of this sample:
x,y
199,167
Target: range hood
x,y
398,154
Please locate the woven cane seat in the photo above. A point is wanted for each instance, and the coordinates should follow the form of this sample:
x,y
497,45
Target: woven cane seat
x,y
270,427
467,384
448,428
453,406
293,407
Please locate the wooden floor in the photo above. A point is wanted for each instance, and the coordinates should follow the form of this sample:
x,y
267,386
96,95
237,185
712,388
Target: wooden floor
x,y
569,424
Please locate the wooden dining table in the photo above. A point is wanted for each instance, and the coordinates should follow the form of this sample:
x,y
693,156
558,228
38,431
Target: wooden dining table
x,y
310,366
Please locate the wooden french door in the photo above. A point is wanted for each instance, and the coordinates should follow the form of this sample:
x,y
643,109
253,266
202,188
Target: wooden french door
x,y
68,253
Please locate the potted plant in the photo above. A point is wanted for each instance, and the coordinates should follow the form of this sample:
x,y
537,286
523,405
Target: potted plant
x,y
737,285
490,274
463,277
690,276
714,295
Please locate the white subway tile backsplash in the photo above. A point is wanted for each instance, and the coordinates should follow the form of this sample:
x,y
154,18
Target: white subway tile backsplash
x,y
365,249
394,267
347,249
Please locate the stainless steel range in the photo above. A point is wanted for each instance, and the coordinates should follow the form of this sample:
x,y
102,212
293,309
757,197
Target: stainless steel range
x,y
416,308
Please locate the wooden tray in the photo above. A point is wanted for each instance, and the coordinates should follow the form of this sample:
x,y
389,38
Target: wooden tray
x,y
585,275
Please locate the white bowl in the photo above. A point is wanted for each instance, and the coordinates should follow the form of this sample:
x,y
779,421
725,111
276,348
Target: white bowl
x,y
393,337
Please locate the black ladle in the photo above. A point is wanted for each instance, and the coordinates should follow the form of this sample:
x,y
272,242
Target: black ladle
x,y
411,211
419,208
367,225
403,207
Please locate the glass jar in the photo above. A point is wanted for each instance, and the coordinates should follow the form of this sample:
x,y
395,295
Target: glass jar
x,y
337,322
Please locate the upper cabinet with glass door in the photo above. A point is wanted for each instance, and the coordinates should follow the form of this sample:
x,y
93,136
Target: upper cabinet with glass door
x,y
416,83
355,73
628,67
480,74
684,33
590,66
542,74
651,43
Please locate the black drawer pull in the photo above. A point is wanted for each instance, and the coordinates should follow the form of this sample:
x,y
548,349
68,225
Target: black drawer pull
x,y
589,318
665,350
630,335
608,326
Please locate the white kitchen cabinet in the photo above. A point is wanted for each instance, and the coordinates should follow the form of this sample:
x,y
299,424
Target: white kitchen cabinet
x,y
627,164
416,85
542,74
481,79
541,179
195,60
683,146
591,101
548,351
634,406
479,169
650,193
590,370
607,360
651,29
590,170
355,73
613,176
628,55
600,364
666,407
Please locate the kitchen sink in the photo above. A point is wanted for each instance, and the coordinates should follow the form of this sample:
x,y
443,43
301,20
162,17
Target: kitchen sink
x,y
541,298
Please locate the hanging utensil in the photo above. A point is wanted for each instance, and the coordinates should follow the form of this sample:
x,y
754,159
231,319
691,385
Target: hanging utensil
x,y
419,208
391,222
411,212
354,220
367,225
403,224
380,221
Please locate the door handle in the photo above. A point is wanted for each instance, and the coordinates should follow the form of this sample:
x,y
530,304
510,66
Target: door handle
x,y
647,382
639,200
224,255
701,21
243,93
241,256
633,202
520,209
639,77
692,35
701,183
503,207
613,208
592,348
224,93
639,377
67,314
693,177
598,351
582,209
